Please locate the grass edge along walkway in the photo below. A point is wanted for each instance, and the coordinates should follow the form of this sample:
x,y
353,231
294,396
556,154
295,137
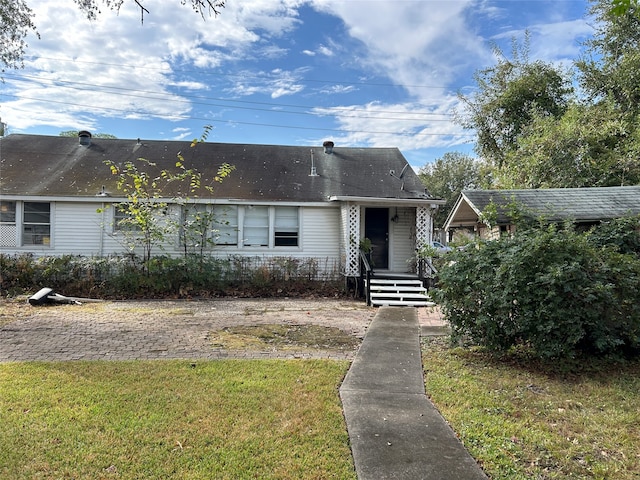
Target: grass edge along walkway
x,y
395,430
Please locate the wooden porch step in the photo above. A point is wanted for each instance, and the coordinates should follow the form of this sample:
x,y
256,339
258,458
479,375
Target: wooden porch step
x,y
420,296
386,302
396,281
401,298
400,291
395,288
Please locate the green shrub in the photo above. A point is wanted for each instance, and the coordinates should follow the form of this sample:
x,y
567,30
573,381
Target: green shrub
x,y
621,233
163,276
558,292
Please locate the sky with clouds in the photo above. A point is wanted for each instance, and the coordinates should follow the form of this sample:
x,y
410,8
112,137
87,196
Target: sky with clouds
x,y
370,73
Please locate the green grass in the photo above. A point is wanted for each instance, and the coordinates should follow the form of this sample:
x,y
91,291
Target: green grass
x,y
173,419
523,419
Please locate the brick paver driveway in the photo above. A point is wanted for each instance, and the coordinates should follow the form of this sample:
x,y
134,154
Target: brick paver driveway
x,y
131,330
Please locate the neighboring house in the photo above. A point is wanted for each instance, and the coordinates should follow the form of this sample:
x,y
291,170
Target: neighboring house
x,y
281,201
486,213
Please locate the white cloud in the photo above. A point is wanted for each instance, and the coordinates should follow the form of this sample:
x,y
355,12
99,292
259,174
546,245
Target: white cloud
x,y
181,133
338,89
276,83
116,67
326,51
81,73
416,43
407,125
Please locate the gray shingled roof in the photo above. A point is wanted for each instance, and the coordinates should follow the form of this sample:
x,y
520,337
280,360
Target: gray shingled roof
x,y
554,204
59,166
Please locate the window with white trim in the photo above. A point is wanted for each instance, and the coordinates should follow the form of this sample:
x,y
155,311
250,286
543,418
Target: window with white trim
x,y
246,226
123,220
225,224
7,212
36,223
286,227
256,226
8,227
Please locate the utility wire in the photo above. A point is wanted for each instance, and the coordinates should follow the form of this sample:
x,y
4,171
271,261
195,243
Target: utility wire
x,y
236,122
112,90
235,75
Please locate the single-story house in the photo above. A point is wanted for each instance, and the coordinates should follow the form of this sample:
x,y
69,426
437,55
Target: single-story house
x,y
57,197
486,213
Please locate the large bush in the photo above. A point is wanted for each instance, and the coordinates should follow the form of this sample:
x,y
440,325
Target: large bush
x,y
556,291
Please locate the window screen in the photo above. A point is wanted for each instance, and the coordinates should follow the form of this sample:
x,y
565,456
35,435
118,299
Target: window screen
x,y
286,227
36,223
256,226
7,212
225,224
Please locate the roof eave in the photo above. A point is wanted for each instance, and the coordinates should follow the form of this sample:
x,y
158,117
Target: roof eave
x,y
387,201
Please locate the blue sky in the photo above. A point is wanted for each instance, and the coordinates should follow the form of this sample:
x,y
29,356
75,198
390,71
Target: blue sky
x,y
370,73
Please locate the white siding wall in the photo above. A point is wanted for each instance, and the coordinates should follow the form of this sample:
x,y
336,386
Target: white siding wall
x,y
75,229
321,232
78,228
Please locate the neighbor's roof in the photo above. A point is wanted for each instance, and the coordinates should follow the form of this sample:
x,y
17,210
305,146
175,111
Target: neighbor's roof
x,y
553,204
35,165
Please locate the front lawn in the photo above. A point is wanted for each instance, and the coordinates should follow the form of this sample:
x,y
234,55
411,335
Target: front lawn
x,y
521,418
173,419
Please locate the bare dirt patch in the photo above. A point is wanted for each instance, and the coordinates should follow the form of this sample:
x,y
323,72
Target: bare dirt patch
x,y
280,337
13,309
217,328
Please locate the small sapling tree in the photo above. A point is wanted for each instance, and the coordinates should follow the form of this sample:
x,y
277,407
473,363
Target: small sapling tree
x,y
142,217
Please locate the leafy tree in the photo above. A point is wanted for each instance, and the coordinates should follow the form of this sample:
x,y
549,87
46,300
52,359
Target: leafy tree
x,y
448,176
595,142
147,218
92,7
535,135
610,70
590,145
144,221
17,20
196,225
623,7
509,95
74,133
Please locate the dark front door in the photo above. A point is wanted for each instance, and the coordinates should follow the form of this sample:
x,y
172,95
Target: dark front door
x,y
376,229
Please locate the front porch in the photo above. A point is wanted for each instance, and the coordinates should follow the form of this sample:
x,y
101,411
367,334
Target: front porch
x,y
401,289
394,229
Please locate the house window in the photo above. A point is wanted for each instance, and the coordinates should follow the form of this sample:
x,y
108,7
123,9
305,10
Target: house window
x,y
286,227
36,223
225,224
7,212
256,226
8,228
245,226
123,221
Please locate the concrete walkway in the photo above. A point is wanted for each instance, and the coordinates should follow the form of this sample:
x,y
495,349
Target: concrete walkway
x,y
395,431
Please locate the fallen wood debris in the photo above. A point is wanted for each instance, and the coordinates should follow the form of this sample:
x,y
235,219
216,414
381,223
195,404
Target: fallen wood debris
x,y
46,296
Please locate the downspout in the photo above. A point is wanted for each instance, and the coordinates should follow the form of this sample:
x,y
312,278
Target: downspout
x,y
101,242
